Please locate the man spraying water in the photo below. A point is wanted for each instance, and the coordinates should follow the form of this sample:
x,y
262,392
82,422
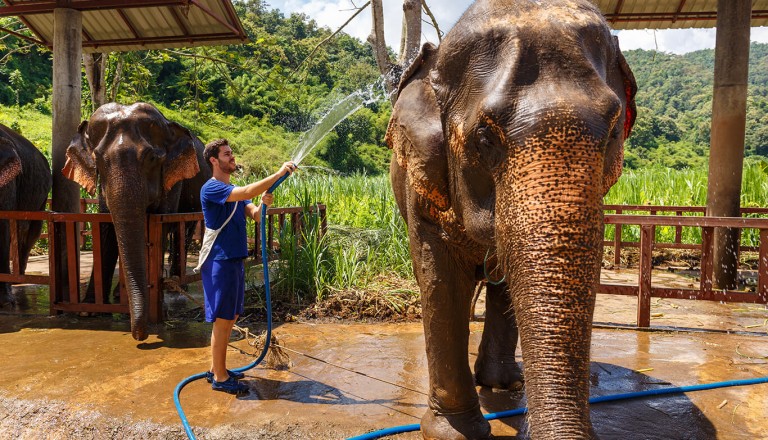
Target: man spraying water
x,y
223,271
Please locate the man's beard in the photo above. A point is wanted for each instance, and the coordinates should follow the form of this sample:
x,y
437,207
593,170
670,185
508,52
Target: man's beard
x,y
228,168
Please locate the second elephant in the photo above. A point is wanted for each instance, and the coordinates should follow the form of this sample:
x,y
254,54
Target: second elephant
x,y
141,163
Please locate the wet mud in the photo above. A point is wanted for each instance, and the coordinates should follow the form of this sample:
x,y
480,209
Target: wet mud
x,y
71,377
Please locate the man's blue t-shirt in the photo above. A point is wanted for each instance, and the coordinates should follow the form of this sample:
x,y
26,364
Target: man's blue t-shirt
x,y
232,240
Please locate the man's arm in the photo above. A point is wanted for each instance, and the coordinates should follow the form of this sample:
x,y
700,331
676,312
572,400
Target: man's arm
x,y
252,190
253,210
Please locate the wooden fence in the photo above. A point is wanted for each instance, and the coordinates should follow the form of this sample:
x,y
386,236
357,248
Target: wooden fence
x,y
644,289
67,298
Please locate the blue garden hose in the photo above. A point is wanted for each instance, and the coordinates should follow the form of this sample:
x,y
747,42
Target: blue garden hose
x,y
613,397
264,261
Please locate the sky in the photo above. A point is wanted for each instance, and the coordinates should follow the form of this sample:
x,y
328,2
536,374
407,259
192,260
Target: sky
x,y
333,13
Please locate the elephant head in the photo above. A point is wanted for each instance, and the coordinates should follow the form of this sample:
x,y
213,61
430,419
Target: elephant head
x,y
505,139
137,158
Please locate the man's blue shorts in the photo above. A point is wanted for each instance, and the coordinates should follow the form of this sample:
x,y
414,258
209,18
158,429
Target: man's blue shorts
x,y
224,288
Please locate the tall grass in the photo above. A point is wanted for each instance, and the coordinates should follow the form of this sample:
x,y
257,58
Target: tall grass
x,y
367,237
669,187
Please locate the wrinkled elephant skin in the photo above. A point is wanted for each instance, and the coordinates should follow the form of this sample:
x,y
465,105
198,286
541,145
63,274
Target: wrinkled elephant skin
x,y
142,163
505,140
25,180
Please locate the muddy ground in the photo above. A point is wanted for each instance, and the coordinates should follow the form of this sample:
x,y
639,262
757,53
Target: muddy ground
x,y
357,365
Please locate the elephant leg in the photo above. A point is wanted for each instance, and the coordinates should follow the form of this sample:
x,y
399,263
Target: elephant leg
x,y
171,243
5,265
109,254
30,235
495,365
454,408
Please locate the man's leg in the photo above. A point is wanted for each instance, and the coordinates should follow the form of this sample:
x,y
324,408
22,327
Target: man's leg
x,y
222,329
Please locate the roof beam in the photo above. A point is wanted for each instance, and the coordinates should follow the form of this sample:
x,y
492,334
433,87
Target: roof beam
x,y
217,18
179,21
22,36
47,6
191,39
679,10
22,19
671,16
616,11
128,23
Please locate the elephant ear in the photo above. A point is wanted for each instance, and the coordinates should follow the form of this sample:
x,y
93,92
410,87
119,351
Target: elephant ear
x,y
626,87
10,164
80,165
415,132
181,159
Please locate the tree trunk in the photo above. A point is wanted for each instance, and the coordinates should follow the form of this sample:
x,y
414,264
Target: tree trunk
x,y
95,71
379,44
411,31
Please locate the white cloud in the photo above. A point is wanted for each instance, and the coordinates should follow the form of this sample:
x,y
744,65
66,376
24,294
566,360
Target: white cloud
x,y
333,13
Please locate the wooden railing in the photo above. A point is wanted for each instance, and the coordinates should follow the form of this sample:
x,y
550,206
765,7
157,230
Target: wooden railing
x,y
645,290
67,297
617,243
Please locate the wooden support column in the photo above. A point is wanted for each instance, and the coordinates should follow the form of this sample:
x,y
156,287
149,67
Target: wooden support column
x,y
729,112
67,94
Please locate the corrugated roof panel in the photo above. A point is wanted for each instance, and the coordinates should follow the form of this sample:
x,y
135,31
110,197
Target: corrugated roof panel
x,y
105,25
153,22
131,27
670,14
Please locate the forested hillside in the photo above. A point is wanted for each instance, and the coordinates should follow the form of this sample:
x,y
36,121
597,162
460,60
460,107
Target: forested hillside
x,y
674,101
263,94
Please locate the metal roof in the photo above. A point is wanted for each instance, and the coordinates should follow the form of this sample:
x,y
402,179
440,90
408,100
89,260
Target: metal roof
x,y
670,14
124,25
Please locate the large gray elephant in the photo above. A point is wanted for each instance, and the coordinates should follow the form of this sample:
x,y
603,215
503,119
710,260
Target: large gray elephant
x,y
142,163
25,180
505,139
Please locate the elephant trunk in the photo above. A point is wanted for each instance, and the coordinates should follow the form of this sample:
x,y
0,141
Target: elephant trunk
x,y
553,227
129,217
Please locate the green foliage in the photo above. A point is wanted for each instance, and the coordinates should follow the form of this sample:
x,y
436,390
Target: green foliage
x,y
260,95
674,101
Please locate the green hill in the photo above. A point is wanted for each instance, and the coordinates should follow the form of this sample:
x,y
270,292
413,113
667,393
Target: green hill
x,y
263,94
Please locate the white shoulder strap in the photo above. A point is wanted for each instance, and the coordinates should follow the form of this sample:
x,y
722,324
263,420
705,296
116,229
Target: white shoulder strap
x,y
208,238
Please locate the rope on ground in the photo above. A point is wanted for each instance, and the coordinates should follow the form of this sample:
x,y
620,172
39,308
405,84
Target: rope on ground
x,y
277,357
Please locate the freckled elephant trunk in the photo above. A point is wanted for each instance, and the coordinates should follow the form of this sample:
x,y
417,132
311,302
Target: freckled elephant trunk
x,y
555,220
130,228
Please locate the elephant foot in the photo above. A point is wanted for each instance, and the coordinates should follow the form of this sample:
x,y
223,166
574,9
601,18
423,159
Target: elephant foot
x,y
499,375
469,425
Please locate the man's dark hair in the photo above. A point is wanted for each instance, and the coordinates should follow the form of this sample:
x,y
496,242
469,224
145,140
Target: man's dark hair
x,y
212,150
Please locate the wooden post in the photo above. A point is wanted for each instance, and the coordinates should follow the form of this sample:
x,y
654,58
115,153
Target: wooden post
x,y
707,237
729,112
617,243
155,253
762,277
647,233
67,94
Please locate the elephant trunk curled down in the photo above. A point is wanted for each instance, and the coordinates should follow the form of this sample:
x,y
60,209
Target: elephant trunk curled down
x,y
505,140
142,163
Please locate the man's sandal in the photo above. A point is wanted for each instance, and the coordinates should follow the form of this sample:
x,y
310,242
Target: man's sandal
x,y
231,386
236,375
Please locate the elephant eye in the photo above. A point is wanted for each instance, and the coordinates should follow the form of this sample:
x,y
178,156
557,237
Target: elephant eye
x,y
487,138
489,146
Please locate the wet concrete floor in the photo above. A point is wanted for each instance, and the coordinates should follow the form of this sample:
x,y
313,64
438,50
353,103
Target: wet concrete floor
x,y
68,377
